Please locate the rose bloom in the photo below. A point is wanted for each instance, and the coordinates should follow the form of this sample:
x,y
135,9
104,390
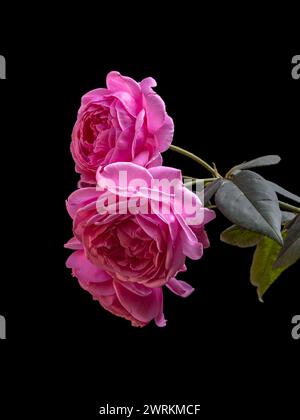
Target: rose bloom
x,y
125,122
130,240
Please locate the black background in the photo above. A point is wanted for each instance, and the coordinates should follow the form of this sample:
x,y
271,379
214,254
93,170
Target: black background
x,y
232,98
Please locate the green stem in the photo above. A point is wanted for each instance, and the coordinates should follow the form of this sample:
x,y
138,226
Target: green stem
x,y
195,158
196,180
289,207
199,179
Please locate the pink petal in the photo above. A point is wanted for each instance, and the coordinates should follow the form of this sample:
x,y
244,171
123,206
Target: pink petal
x,y
140,120
136,288
201,235
143,308
209,215
84,270
80,198
110,174
125,120
165,172
147,84
175,258
155,161
190,245
160,320
129,102
155,111
122,150
93,95
73,243
165,134
113,305
139,138
152,229
142,158
118,83
179,287
98,290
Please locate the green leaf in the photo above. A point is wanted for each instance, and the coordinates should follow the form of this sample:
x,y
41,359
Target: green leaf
x,y
211,189
255,163
290,252
248,200
240,237
262,273
284,192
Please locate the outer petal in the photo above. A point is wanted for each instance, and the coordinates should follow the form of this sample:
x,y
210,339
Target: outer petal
x,y
165,172
160,320
118,83
147,84
122,149
190,245
143,308
93,96
110,174
113,305
201,235
142,158
155,161
98,289
179,287
84,270
73,243
165,134
209,215
155,111
136,288
81,198
129,102
125,120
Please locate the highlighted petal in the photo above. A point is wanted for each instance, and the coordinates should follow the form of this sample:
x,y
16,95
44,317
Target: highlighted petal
x,y
179,287
143,308
81,198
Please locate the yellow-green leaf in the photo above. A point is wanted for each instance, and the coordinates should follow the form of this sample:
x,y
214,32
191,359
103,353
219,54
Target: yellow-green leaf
x,y
240,237
262,273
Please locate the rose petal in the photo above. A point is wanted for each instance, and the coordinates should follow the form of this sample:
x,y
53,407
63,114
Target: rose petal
x,y
73,243
155,111
84,270
165,134
155,161
165,172
118,83
179,287
143,308
80,198
147,84
132,172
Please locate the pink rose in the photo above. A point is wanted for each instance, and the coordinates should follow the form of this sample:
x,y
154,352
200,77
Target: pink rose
x,y
133,237
133,302
125,122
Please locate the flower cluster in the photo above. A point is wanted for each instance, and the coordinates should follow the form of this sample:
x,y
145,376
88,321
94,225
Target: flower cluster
x,y
133,234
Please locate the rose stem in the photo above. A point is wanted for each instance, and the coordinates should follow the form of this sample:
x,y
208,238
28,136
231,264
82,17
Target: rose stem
x,y
195,158
287,206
